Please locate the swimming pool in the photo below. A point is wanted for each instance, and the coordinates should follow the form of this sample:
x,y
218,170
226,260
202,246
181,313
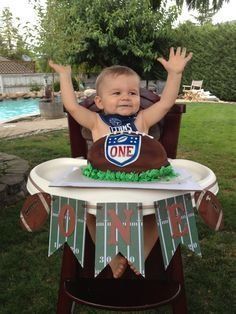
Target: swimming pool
x,y
14,109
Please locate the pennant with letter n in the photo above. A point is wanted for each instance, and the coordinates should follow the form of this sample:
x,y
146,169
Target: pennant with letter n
x,y
176,224
68,224
119,229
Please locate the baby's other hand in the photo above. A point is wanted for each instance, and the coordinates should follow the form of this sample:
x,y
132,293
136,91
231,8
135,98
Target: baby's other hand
x,y
177,60
60,68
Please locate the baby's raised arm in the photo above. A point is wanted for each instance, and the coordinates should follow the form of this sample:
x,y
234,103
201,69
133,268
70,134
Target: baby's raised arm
x,y
82,115
174,66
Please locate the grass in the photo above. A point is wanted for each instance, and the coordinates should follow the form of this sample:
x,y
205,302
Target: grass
x,y
29,279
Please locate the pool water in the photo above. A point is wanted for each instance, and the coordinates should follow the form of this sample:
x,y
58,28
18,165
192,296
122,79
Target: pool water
x,y
13,109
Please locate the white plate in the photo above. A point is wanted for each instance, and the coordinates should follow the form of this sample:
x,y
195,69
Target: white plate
x,y
42,175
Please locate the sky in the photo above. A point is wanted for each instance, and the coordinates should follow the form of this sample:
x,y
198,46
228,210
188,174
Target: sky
x,y
24,10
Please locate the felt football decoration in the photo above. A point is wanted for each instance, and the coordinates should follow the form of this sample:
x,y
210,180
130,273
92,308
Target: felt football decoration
x,y
209,209
35,211
127,153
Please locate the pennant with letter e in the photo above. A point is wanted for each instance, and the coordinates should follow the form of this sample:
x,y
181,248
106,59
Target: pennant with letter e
x,y
176,224
68,224
119,229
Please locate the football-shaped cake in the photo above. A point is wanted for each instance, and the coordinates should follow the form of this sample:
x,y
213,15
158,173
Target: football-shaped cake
x,y
127,153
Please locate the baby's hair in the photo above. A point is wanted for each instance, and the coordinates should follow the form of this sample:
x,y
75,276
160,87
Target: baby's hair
x,y
114,70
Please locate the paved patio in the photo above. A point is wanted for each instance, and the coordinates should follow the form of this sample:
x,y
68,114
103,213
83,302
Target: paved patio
x,y
30,126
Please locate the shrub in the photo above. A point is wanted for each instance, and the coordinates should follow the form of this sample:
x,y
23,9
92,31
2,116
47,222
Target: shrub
x,y
56,85
35,87
214,56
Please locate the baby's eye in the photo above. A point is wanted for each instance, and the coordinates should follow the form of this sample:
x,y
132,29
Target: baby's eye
x,y
132,93
116,93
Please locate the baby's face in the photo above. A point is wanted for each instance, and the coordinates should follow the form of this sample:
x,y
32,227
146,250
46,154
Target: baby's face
x,y
119,95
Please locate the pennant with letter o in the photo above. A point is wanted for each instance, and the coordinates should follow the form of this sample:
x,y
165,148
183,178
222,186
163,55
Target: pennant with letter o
x,y
68,224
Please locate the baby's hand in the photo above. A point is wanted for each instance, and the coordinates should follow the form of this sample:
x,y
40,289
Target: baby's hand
x,y
177,60
61,69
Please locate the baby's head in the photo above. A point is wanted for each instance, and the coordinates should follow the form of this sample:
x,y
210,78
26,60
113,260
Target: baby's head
x,y
117,90
112,72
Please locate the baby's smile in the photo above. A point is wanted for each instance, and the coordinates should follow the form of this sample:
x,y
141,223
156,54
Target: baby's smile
x,y
125,105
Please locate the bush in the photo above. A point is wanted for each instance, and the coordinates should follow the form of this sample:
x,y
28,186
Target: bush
x,y
34,87
57,88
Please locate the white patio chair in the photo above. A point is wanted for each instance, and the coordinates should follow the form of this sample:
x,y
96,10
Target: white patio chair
x,y
196,86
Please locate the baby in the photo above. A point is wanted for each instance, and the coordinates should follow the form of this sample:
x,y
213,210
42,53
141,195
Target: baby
x,y
118,93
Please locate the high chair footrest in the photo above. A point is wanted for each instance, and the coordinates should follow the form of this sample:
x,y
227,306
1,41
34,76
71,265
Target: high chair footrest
x,y
118,294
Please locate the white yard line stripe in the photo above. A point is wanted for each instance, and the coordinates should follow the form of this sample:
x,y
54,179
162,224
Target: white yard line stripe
x,y
186,213
181,237
58,229
84,230
67,219
76,223
171,230
162,235
139,240
105,236
128,246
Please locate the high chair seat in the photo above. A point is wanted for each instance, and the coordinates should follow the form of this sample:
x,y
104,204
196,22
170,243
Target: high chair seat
x,y
130,292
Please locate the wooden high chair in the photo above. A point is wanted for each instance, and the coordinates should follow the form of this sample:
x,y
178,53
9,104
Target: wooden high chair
x,y
130,292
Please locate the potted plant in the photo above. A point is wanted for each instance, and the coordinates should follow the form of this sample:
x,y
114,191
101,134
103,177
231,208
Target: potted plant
x,y
51,106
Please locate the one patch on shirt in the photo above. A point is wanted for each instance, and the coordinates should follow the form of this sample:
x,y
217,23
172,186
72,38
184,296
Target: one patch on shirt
x,y
122,149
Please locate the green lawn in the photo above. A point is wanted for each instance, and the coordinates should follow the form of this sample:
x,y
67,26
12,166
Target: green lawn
x,y
29,279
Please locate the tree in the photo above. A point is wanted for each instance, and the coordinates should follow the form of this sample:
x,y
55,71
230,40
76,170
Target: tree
x,y
203,4
9,33
58,31
204,15
196,4
12,44
105,32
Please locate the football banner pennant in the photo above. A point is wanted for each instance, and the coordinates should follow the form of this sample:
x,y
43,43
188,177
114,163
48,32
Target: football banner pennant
x,y
119,229
176,224
68,224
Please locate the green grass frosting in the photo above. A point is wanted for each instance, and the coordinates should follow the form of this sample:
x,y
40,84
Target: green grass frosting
x,y
166,173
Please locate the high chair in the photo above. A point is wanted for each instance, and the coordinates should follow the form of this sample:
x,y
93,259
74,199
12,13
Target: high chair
x,y
130,292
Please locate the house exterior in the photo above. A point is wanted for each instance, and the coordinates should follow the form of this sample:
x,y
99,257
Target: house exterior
x,y
19,76
16,66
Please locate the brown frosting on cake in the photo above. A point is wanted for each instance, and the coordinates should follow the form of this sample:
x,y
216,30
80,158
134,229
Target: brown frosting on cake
x,y
152,156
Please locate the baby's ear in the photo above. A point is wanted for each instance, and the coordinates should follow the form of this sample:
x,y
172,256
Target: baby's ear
x,y
98,102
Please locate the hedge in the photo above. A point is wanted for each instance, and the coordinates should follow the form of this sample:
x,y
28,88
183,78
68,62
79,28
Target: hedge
x,y
214,59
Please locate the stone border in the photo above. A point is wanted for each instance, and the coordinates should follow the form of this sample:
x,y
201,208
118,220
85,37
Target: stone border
x,y
13,177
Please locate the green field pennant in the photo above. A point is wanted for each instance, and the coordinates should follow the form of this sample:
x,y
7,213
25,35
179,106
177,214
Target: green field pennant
x,y
119,229
68,224
176,225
